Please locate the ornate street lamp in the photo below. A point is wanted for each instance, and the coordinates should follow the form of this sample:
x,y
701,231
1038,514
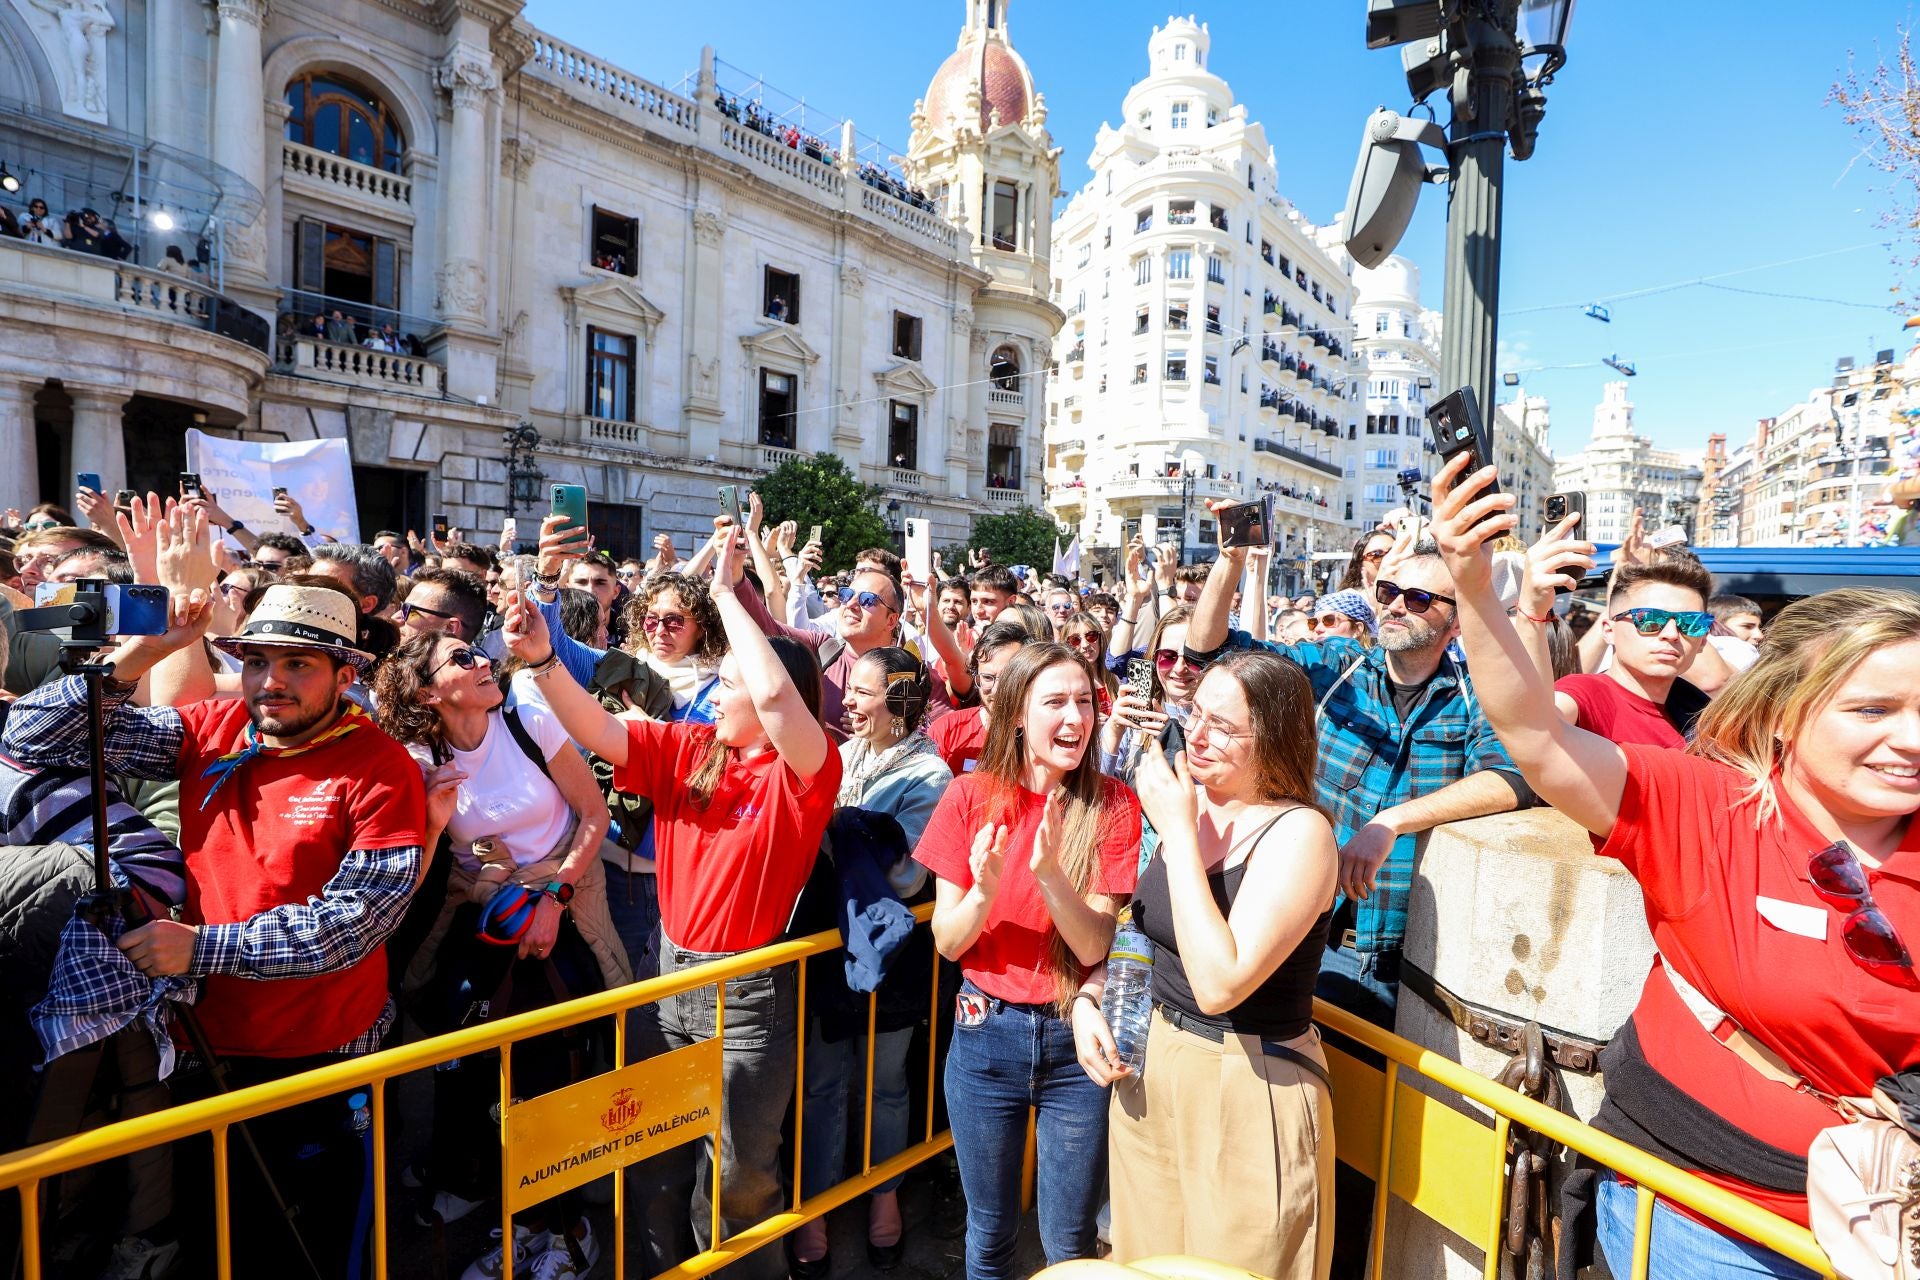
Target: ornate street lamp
x,y
524,476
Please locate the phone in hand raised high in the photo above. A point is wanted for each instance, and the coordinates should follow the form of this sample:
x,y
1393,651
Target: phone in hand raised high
x,y
440,526
569,500
190,485
1562,505
730,505
920,549
1459,428
1140,677
123,499
813,534
1249,524
90,481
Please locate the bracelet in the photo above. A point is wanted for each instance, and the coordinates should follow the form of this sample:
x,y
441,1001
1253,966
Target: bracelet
x,y
1530,618
539,669
307,532
1088,997
546,579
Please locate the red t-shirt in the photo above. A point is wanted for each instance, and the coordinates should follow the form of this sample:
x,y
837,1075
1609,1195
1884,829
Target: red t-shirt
x,y
1729,902
1009,958
273,836
1618,714
960,738
731,872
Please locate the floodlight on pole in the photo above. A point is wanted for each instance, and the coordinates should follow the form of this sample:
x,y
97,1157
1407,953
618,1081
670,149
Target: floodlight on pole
x,y
1386,183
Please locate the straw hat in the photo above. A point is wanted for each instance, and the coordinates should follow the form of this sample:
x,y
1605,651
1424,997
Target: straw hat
x,y
302,618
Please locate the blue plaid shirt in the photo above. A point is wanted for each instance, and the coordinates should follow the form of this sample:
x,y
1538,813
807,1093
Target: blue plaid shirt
x,y
1372,760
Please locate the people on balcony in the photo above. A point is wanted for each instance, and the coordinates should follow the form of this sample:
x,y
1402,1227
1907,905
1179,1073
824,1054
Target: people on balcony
x,y
39,226
340,329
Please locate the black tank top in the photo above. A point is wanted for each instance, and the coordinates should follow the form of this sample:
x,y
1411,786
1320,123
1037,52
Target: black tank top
x,y
1279,1008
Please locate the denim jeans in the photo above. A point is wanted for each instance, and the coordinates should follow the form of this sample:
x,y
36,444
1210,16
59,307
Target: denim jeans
x,y
836,1069
633,900
1682,1248
1366,983
756,1085
1021,1056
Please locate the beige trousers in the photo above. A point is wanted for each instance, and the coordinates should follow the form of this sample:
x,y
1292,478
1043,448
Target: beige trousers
x,y
1223,1152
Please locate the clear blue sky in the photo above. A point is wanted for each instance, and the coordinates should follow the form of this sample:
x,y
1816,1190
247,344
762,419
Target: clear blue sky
x,y
1682,140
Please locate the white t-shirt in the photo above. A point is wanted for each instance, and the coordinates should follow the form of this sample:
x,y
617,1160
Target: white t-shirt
x,y
505,796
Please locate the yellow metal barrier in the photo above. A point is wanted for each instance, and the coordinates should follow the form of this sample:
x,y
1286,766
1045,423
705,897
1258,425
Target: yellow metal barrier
x,y
1446,1164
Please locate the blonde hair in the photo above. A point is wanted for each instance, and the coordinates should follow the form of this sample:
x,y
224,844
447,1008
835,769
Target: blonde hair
x,y
1812,646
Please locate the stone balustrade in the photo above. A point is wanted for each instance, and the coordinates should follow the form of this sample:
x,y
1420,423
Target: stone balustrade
x,y
335,175
363,367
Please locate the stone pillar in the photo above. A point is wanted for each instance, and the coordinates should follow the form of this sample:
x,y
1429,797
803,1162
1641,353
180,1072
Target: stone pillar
x,y
20,478
846,386
238,138
973,373
956,401
1514,914
702,413
100,436
466,75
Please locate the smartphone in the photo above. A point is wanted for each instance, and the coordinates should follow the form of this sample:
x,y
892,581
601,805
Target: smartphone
x,y
813,535
90,480
1562,505
1672,536
1458,428
279,491
132,610
190,485
123,499
730,504
569,500
920,550
1250,524
526,546
440,526
1140,677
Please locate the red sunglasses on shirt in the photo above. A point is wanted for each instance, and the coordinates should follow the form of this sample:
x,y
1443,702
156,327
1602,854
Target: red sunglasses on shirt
x,y
1871,940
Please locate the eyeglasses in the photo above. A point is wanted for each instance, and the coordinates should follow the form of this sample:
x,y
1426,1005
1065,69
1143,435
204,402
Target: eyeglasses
x,y
627,575
865,599
1871,941
1418,601
1651,622
1374,557
465,659
1085,640
408,609
668,622
1200,722
1167,659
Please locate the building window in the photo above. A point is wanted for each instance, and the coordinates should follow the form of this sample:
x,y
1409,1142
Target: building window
x,y
782,296
1180,55
906,336
1143,270
1180,264
1177,117
1177,318
903,435
1180,213
1086,255
1142,219
1145,119
1139,375
1004,369
1266,252
616,242
1213,371
609,375
1216,269
1213,318
334,115
778,392
1142,319
1285,266
1003,457
1177,369
1213,116
1006,215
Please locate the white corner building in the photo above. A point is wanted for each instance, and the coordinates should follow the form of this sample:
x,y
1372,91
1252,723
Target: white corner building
x,y
1620,471
1206,350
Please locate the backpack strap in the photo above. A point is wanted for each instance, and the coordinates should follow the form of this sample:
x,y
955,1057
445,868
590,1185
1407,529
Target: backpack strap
x,y
511,714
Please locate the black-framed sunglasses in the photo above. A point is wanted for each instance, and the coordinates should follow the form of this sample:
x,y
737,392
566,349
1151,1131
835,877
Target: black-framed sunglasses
x,y
408,609
1418,601
1870,938
463,658
1651,622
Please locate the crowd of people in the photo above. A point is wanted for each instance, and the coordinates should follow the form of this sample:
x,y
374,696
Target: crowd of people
x,y
370,792
790,135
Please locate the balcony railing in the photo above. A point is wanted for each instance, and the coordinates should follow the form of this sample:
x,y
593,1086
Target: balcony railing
x,y
608,83
904,478
1075,445
1002,396
1264,445
773,456
1006,497
171,297
625,435
330,174
361,367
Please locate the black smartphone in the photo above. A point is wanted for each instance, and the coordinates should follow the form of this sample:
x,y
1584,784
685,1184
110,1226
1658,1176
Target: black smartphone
x,y
190,485
1140,677
123,499
440,527
1458,428
279,491
1562,505
1250,524
526,546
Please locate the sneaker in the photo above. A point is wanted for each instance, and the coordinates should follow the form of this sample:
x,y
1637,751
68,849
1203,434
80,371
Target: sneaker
x,y
568,1257
526,1243
445,1207
138,1258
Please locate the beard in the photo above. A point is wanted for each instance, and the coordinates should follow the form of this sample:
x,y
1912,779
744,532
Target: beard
x,y
292,721
1417,634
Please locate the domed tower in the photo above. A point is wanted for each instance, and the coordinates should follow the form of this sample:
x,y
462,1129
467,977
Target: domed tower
x,y
981,149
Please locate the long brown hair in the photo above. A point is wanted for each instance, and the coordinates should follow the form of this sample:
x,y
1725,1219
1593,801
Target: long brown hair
x,y
803,669
1003,762
1284,748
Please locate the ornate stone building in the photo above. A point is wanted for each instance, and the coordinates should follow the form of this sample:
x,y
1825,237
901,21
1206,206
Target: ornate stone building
x,y
675,290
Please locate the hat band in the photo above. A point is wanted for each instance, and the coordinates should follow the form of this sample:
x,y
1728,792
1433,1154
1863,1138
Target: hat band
x,y
281,629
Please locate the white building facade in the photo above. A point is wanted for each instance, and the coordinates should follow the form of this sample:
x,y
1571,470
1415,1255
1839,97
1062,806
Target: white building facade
x,y
1206,349
673,292
1400,345
1620,471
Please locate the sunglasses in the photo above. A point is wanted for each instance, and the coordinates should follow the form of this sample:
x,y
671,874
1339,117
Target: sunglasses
x,y
1330,620
407,610
1871,941
465,659
1418,601
668,622
1373,557
865,599
1167,659
1651,622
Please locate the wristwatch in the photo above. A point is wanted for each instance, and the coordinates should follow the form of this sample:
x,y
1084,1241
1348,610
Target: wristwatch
x,y
307,532
236,527
560,891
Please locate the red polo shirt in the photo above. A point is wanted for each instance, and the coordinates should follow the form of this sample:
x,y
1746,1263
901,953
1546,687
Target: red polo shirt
x,y
730,872
1729,903
1009,959
1618,714
960,737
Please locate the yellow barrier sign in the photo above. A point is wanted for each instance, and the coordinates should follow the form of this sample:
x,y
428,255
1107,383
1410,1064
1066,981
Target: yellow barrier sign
x,y
571,1136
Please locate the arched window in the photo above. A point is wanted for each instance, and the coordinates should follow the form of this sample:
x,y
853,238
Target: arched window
x,y
1004,369
335,115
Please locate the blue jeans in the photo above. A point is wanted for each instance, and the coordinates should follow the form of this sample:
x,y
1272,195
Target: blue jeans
x,y
836,1069
1366,983
1017,1057
1682,1248
633,900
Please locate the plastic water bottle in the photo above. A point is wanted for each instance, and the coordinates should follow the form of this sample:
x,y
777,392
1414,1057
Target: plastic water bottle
x,y
1128,1002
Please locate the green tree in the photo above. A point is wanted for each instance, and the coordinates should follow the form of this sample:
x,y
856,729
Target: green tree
x,y
821,490
1024,536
